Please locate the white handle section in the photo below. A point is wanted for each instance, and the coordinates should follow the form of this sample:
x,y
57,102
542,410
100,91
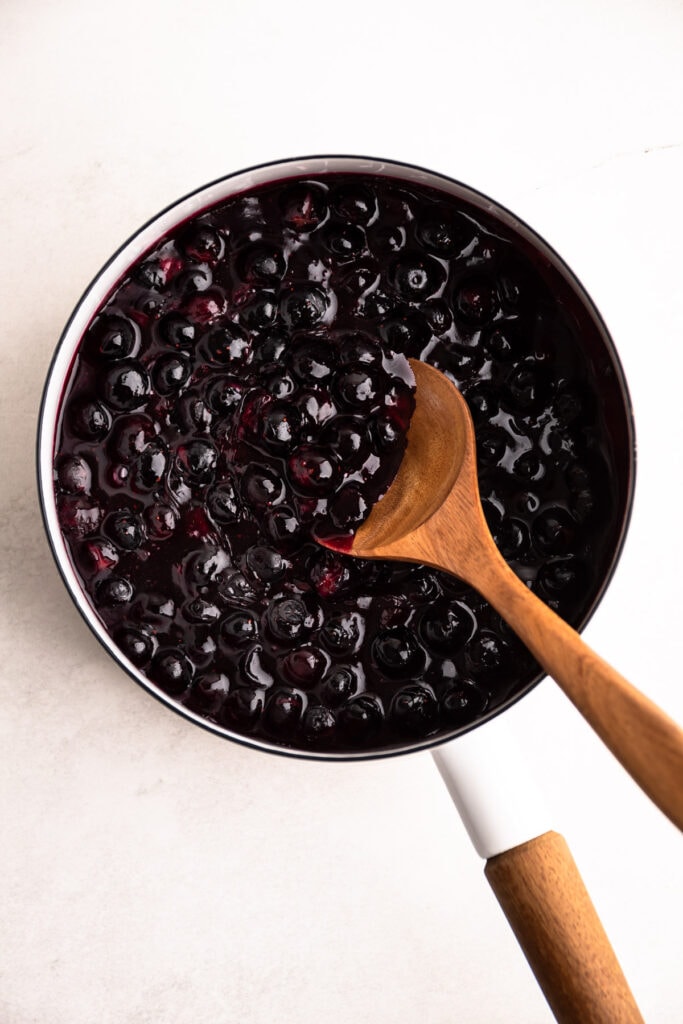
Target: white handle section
x,y
493,789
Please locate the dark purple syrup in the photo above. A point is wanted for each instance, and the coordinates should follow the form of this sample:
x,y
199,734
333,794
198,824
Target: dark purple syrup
x,y
245,388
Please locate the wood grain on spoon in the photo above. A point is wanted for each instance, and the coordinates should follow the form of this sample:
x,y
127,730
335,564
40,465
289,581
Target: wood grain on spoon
x,y
432,514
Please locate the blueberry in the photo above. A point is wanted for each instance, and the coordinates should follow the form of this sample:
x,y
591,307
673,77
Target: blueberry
x,y
271,349
414,710
161,520
242,708
279,384
191,414
131,436
482,401
357,388
283,527
488,654
355,203
305,666
563,578
201,242
197,461
259,311
113,337
126,386
340,683
463,702
345,241
262,263
150,466
512,537
232,587
284,710
239,627
492,443
476,300
304,207
554,531
415,276
137,646
229,345
125,528
312,470
288,618
529,466
74,475
438,315
303,306
265,563
398,653
261,487
348,508
224,394
311,360
357,349
170,373
200,611
280,426
525,388
319,726
447,627
343,633
209,692
192,281
361,718
349,438
115,590
315,406
177,331
205,565
90,420
442,233
329,574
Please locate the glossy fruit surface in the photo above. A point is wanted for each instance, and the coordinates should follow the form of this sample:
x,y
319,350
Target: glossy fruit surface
x,y
245,389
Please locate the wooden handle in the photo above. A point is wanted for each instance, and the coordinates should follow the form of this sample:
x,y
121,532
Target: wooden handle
x,y
645,740
546,903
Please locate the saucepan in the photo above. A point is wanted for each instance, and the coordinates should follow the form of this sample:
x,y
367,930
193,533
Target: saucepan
x,y
183,474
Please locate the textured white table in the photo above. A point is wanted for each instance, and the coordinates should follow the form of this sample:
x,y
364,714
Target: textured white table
x,y
151,872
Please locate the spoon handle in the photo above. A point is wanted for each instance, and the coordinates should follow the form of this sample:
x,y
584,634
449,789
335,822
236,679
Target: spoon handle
x,y
642,737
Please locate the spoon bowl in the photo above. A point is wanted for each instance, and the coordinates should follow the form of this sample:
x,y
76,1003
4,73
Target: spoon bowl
x,y
432,514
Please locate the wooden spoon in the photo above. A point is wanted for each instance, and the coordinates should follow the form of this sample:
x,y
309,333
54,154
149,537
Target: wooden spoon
x,y
432,514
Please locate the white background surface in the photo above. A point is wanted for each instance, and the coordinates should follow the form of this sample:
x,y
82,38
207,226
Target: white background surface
x,y
151,872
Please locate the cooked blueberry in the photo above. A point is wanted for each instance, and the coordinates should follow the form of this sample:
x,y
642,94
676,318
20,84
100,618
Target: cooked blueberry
x,y
438,315
177,331
488,653
192,281
288,618
205,565
161,520
357,388
259,312
209,692
398,653
137,646
265,563
342,634
562,577
271,349
263,263
114,337
339,684
464,702
74,475
345,241
319,725
483,402
358,349
443,234
349,437
261,487
283,711
512,537
355,203
315,406
303,306
197,461
476,300
414,710
279,385
361,718
312,470
126,386
554,531
280,426
529,466
170,373
305,666
229,345
526,388
349,508
201,242
283,527
90,420
150,466
447,627
242,708
416,277
240,627
113,590
312,360
201,611
233,587
125,528
303,207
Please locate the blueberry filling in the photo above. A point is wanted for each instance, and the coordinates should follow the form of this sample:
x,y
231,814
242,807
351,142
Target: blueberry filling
x,y
245,389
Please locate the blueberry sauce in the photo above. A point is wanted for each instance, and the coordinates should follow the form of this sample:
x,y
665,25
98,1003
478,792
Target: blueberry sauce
x,y
245,389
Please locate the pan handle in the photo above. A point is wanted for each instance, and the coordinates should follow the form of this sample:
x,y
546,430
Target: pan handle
x,y
535,879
